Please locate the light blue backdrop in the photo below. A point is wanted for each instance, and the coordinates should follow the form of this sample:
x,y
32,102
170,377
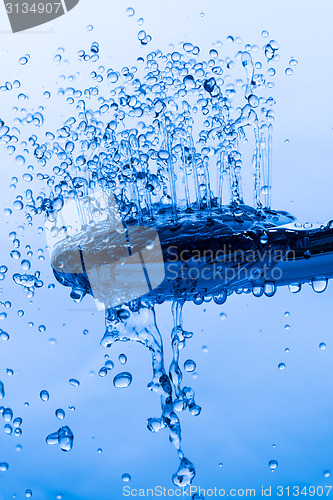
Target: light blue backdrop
x,y
248,404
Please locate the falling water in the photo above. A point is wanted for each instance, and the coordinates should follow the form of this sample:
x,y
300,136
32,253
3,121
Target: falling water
x,y
163,144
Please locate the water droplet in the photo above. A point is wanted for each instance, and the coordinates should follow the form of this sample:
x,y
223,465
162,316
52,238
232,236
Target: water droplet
x,y
7,414
223,316
25,264
3,466
122,359
219,298
190,365
23,61
319,286
28,493
269,289
295,287
122,380
74,382
327,473
4,335
64,437
8,429
322,346
273,464
126,478
257,291
103,371
221,464
130,12
254,102
44,395
184,474
17,421
60,413
281,366
112,77
109,364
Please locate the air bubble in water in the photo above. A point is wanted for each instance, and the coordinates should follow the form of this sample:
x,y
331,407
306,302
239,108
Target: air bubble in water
x,y
122,380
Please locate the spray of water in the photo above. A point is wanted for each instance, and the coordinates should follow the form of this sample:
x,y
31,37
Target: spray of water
x,y
167,139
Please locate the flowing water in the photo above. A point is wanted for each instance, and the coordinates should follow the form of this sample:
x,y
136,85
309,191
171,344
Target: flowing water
x,y
162,143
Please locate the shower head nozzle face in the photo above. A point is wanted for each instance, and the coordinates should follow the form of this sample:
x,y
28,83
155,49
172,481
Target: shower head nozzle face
x,y
121,263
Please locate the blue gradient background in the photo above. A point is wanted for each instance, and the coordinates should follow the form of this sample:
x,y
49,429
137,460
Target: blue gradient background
x,y
248,404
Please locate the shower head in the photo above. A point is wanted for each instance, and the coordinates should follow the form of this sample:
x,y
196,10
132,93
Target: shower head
x,y
232,250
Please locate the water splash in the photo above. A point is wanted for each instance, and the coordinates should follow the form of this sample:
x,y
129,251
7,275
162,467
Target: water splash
x,y
167,140
64,437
